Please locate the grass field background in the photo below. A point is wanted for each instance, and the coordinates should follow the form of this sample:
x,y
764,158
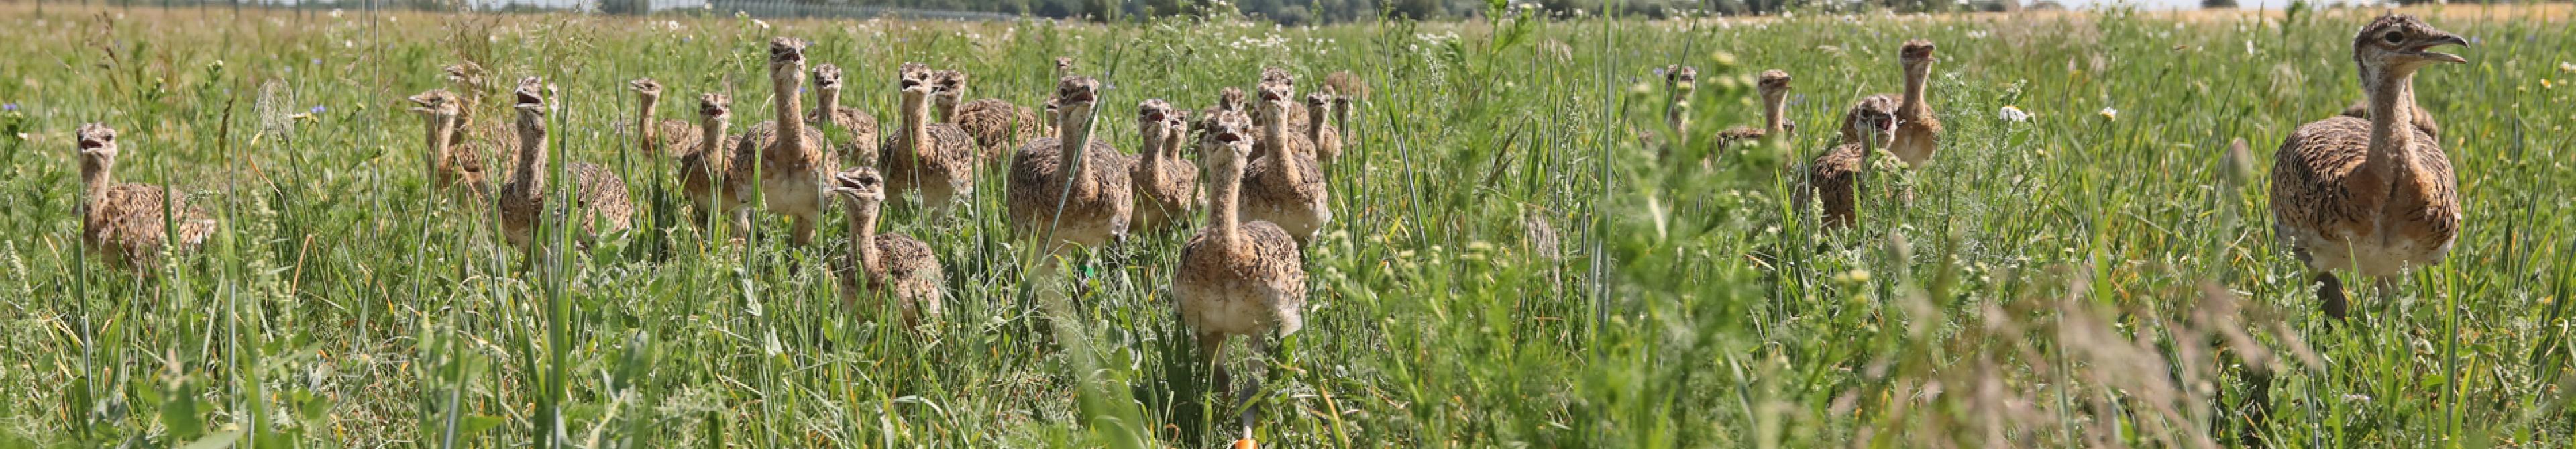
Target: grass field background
x,y
1510,264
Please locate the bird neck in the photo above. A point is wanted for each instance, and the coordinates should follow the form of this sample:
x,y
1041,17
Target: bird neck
x,y
1274,135
1176,137
945,107
916,126
713,128
532,157
826,100
1773,107
97,174
1316,112
1223,190
791,117
2392,132
1675,105
863,230
1077,139
442,133
1915,76
644,129
1150,156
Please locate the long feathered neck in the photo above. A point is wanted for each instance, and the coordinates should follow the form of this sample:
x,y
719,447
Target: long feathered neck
x,y
532,157
863,233
1773,107
945,106
916,126
713,130
1077,139
1274,135
1315,127
2392,104
1674,105
1174,138
1150,156
1223,189
98,173
1916,75
442,133
827,100
791,117
644,129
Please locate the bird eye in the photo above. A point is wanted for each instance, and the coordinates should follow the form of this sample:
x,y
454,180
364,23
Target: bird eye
x,y
2392,37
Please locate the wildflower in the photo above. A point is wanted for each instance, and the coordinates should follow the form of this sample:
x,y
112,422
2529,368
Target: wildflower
x,y
2013,114
763,25
318,109
317,61
2569,67
11,107
335,13
2110,114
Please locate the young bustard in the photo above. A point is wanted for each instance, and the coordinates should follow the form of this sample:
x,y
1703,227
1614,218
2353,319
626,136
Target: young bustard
x,y
1283,186
703,169
658,137
786,157
1918,131
2374,197
1834,177
1228,99
1074,188
1166,185
892,265
455,160
997,125
1237,277
1774,87
1326,139
936,158
858,130
599,197
123,223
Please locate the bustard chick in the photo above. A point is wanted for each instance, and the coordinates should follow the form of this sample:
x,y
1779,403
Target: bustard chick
x,y
1228,99
1166,185
995,124
1283,186
670,137
2374,197
1918,131
785,157
1835,175
473,136
904,269
703,169
936,158
123,222
1326,139
1774,87
1237,277
456,158
859,143
1074,187
598,196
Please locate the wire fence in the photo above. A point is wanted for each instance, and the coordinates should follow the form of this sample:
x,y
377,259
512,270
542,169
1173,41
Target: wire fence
x,y
754,8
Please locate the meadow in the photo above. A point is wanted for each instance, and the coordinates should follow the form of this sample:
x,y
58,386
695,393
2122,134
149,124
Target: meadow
x,y
1511,265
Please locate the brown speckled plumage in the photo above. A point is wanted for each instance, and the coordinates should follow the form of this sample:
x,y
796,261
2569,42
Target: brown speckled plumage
x,y
1237,277
936,158
887,265
2374,197
785,157
599,197
703,169
1323,137
1096,211
122,223
1835,175
1166,185
1285,188
858,137
658,137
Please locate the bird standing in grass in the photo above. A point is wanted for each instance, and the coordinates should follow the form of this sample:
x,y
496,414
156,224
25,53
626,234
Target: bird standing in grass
x,y
126,224
892,265
2371,197
1237,277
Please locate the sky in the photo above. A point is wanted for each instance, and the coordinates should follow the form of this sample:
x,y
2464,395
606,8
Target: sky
x,y
2160,5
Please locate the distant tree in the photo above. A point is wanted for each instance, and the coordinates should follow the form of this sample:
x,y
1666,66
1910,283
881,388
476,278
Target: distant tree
x,y
1416,9
2217,4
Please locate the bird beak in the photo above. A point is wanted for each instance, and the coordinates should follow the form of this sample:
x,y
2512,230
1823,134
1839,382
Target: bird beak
x,y
2425,49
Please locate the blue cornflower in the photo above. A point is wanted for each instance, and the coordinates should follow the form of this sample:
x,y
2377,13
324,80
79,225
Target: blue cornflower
x,y
317,109
11,107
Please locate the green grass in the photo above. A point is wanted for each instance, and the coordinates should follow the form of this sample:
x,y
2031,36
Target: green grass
x,y
1509,265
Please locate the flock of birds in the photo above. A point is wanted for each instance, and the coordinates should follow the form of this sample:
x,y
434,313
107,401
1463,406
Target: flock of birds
x,y
2367,193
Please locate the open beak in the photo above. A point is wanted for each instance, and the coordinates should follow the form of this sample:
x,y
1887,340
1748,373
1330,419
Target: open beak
x,y
88,146
2424,48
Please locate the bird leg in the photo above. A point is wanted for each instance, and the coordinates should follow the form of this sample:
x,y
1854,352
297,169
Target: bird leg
x,y
2331,294
1212,350
803,231
1248,396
